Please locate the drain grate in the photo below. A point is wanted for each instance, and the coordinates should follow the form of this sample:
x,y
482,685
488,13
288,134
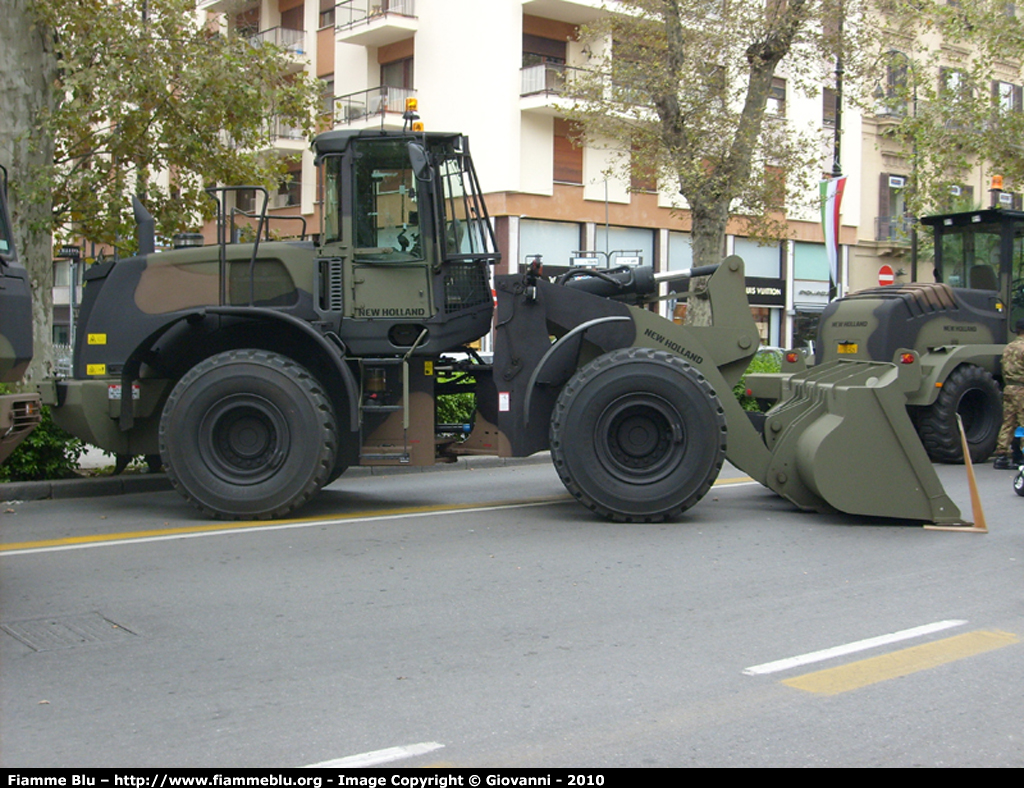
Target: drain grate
x,y
58,632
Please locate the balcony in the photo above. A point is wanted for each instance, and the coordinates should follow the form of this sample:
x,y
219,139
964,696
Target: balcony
x,y
575,12
285,137
550,88
369,107
892,235
223,6
293,41
374,23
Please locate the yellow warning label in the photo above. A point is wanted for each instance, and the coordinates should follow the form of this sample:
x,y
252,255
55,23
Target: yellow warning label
x,y
95,369
97,339
428,368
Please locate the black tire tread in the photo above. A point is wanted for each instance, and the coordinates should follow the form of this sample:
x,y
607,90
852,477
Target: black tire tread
x,y
584,376
326,446
937,426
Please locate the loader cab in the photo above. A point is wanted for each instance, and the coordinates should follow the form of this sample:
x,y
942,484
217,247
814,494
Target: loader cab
x,y
983,251
406,242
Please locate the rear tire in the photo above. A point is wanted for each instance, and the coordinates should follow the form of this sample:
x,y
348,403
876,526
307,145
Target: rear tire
x,y
248,434
973,393
638,435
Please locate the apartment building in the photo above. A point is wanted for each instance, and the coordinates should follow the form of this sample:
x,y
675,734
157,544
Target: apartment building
x,y
497,70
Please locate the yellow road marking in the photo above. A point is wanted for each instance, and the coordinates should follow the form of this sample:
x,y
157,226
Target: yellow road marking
x,y
255,524
865,672
229,526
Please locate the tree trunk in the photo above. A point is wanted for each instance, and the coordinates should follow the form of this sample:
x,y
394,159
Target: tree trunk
x,y
28,69
708,245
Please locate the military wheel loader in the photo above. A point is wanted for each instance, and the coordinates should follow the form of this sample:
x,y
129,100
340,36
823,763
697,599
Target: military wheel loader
x,y
958,326
19,413
261,371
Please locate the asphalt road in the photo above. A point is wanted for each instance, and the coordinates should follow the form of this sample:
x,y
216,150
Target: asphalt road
x,y
481,618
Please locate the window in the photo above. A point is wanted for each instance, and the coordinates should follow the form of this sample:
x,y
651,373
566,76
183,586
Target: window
x,y
62,273
538,51
292,18
893,223
385,210
327,13
327,98
777,98
961,198
289,192
1007,97
397,74
828,108
568,156
893,96
954,84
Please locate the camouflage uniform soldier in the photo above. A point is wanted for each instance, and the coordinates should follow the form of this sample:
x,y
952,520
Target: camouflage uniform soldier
x,y
1013,397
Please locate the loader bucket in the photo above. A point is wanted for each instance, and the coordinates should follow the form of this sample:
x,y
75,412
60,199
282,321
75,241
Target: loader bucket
x,y
842,439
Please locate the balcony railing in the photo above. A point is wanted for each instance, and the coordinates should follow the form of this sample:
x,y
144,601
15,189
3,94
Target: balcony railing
x,y
353,12
895,229
354,107
293,41
550,79
278,129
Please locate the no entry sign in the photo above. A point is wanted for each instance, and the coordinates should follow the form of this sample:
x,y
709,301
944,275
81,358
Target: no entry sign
x,y
886,276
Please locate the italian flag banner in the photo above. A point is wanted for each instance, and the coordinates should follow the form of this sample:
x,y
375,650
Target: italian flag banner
x,y
831,199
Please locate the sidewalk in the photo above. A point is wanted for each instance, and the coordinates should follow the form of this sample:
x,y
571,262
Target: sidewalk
x,y
95,486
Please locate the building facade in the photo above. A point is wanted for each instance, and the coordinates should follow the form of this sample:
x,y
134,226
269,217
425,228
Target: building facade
x,y
499,76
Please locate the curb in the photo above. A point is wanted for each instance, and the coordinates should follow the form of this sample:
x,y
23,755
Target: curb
x,y
97,486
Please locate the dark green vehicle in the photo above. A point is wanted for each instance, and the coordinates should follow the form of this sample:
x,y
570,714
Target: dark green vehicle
x,y
259,372
957,327
19,413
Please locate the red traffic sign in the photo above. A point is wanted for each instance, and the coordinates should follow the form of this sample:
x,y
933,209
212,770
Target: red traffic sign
x,y
886,276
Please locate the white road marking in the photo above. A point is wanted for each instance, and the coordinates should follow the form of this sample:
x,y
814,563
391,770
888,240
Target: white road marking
x,y
378,756
850,648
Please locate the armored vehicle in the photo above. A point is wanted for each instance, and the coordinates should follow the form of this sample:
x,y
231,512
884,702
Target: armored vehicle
x,y
19,413
957,326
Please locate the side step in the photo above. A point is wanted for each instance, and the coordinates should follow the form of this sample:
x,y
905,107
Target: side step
x,y
378,395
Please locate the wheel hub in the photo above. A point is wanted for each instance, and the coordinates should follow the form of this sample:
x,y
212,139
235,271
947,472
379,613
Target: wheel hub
x,y
639,438
242,439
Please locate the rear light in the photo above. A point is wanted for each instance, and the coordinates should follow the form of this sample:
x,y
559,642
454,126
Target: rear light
x,y
907,358
792,357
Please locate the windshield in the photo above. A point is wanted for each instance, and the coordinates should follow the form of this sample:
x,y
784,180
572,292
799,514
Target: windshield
x,y
385,212
970,256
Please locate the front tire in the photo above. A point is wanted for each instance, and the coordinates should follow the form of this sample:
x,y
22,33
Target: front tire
x,y
972,393
638,435
248,434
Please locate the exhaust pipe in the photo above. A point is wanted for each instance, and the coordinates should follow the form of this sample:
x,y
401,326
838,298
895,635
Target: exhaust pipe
x,y
145,227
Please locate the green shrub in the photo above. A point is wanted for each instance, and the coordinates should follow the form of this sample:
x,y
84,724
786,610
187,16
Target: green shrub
x,y
456,408
48,453
765,361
